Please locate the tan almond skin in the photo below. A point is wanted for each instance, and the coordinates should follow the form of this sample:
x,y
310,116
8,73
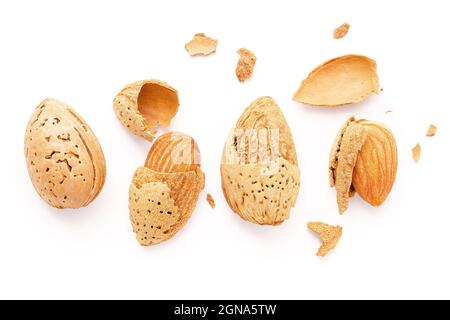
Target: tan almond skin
x,y
363,159
376,168
173,152
261,183
164,193
143,106
64,158
339,81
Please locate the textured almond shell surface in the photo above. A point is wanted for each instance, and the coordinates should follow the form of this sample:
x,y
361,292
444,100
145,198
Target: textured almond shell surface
x,y
343,157
246,64
143,106
376,168
173,152
343,80
64,158
164,193
162,203
261,189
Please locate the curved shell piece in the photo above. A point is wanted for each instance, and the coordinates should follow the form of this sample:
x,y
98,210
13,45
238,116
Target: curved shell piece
x,y
142,106
164,193
64,158
260,176
343,80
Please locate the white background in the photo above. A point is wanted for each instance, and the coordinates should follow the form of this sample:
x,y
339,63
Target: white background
x,y
84,52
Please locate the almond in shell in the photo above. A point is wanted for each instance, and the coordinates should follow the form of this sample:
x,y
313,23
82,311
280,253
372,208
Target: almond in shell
x,y
143,106
64,158
260,174
363,159
343,80
164,193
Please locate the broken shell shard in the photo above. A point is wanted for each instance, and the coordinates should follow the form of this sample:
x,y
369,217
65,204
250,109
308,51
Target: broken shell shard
x,y
363,159
330,236
416,152
246,64
143,106
164,193
343,80
341,31
201,45
64,158
260,176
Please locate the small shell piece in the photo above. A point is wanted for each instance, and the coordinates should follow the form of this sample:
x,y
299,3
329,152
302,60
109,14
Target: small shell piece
x,y
363,159
431,132
341,31
246,64
143,106
201,45
343,80
260,175
330,236
211,201
64,158
163,194
416,152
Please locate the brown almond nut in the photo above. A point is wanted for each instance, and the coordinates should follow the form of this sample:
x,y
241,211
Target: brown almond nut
x,y
260,175
143,106
343,80
363,160
164,193
64,158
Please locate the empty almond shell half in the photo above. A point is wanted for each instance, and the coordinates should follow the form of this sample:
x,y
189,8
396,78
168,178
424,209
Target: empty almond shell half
x,y
164,193
260,175
343,80
363,160
143,106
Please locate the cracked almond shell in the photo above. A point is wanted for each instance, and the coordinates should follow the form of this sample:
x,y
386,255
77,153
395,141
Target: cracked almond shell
x,y
343,80
260,175
143,106
164,193
64,158
363,159
330,236
201,45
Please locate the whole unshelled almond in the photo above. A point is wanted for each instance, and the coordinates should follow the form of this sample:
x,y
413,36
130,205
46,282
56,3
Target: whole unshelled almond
x,y
64,158
363,160
260,175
